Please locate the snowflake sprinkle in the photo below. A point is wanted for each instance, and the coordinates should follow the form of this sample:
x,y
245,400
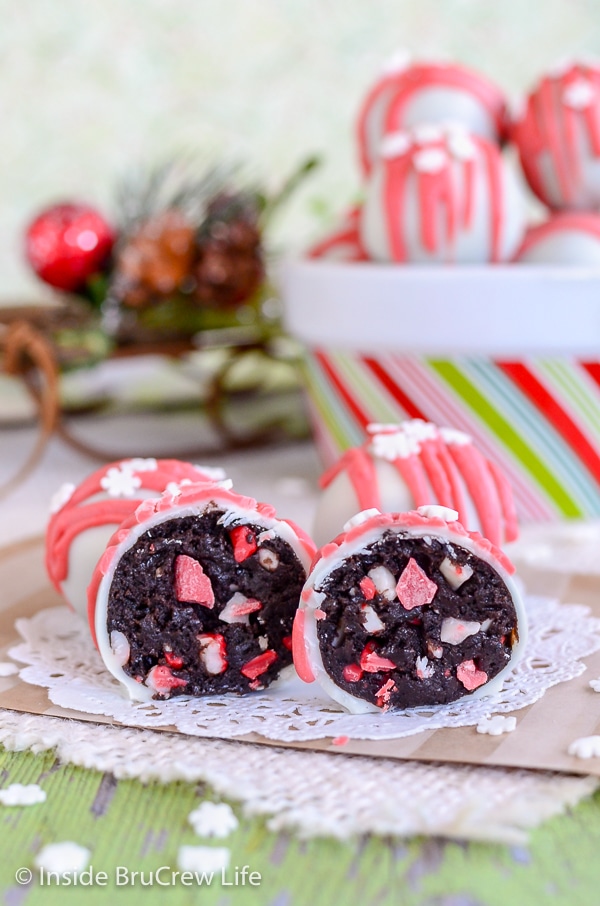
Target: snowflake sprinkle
x,y
120,482
213,819
496,725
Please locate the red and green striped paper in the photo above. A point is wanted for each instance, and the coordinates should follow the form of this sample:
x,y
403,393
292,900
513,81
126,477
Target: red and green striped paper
x,y
538,417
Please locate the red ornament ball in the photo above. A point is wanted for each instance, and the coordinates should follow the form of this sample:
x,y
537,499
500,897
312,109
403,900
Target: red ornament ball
x,y
67,243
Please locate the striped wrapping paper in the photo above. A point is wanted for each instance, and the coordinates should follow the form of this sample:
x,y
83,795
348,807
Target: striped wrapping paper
x,y
538,417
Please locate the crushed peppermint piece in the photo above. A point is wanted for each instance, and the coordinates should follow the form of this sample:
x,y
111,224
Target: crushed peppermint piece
x,y
268,559
383,694
352,673
173,660
213,652
367,586
384,582
433,511
61,497
468,674
454,631
259,665
360,518
433,649
340,741
244,543
497,724
585,747
120,482
424,668
371,662
371,622
415,588
20,794
238,608
162,680
119,647
454,574
63,858
203,859
192,585
213,819
319,614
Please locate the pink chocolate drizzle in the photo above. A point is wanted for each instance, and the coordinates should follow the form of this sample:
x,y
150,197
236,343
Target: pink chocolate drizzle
x,y
437,474
401,87
549,124
440,199
78,514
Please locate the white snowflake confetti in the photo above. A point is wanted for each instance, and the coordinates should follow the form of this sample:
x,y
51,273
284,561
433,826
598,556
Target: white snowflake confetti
x,y
203,858
497,724
431,160
427,132
578,95
7,668
19,794
61,497
140,465
461,146
63,857
174,487
213,819
215,473
585,747
120,482
595,684
395,144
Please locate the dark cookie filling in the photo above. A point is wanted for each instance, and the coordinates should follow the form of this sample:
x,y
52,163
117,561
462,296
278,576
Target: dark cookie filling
x,y
404,658
188,641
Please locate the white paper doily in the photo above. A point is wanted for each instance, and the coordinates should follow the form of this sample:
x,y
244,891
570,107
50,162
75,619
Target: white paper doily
x,y
312,793
60,657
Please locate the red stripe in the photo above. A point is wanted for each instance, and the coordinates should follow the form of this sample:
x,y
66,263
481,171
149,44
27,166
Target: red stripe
x,y
393,389
554,413
593,369
359,414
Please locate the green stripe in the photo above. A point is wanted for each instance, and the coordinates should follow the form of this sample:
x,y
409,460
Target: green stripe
x,y
573,381
366,387
330,407
503,430
530,423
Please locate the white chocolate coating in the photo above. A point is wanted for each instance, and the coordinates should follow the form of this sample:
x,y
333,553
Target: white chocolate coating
x,y
194,501
440,203
356,543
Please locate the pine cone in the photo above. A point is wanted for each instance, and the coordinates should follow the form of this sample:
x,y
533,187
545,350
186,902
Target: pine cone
x,y
229,265
154,262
